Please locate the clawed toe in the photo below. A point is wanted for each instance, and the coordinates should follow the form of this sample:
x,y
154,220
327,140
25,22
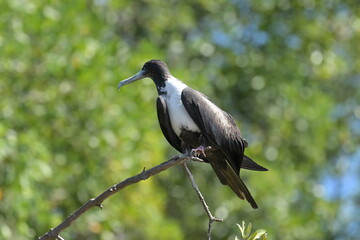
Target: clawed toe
x,y
197,152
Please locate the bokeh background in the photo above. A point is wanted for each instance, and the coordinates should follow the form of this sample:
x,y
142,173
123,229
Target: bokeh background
x,y
288,71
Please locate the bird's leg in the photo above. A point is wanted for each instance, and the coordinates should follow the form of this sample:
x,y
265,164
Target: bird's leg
x,y
198,151
195,152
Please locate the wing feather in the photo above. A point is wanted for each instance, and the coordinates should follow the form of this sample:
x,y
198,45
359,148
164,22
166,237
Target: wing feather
x,y
220,129
217,125
165,124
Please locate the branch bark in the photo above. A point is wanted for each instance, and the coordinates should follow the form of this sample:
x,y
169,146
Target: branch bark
x,y
53,233
203,202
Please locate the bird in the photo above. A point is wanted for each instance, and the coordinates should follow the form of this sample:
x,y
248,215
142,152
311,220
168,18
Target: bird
x,y
193,124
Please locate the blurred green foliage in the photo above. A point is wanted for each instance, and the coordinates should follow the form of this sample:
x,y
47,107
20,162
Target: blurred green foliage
x,y
288,71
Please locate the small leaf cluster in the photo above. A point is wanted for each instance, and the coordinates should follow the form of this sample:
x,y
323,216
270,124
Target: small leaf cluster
x,y
246,233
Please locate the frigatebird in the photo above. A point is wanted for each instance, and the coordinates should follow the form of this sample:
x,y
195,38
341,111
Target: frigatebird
x,y
192,124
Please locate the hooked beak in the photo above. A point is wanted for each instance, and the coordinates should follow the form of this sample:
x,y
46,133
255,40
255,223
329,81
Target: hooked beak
x,y
140,75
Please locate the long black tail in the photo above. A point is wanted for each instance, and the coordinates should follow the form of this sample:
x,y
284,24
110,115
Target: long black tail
x,y
228,176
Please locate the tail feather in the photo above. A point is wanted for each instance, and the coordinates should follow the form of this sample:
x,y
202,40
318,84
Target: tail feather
x,y
250,164
229,177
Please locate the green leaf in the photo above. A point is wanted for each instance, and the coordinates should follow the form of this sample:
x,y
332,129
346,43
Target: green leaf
x,y
242,229
248,230
259,234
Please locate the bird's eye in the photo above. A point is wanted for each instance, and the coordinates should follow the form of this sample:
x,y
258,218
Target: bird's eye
x,y
144,68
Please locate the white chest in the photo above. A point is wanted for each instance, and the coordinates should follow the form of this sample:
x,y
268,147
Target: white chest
x,y
179,117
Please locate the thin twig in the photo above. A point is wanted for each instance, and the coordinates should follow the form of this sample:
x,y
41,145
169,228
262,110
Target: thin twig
x,y
145,174
202,200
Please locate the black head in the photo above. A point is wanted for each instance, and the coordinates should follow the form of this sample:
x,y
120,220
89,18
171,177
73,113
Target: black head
x,y
154,69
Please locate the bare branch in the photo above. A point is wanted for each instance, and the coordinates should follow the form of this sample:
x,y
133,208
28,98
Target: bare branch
x,y
202,200
145,174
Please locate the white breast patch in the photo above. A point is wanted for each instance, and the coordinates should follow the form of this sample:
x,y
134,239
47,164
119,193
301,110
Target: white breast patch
x,y
179,117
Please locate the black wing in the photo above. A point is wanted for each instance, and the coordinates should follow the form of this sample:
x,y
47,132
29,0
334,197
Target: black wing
x,y
220,129
165,124
218,126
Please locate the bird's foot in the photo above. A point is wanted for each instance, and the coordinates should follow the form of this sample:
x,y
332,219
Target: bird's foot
x,y
197,152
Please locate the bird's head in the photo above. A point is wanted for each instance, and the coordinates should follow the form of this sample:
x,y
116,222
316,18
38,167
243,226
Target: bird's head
x,y
154,69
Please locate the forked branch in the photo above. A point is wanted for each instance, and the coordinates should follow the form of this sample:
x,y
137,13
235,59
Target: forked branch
x,y
202,200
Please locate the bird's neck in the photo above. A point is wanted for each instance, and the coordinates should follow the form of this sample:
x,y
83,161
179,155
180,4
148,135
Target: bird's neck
x,y
160,83
170,86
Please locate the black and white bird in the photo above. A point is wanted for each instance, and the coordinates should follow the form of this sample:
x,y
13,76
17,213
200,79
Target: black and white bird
x,y
191,123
